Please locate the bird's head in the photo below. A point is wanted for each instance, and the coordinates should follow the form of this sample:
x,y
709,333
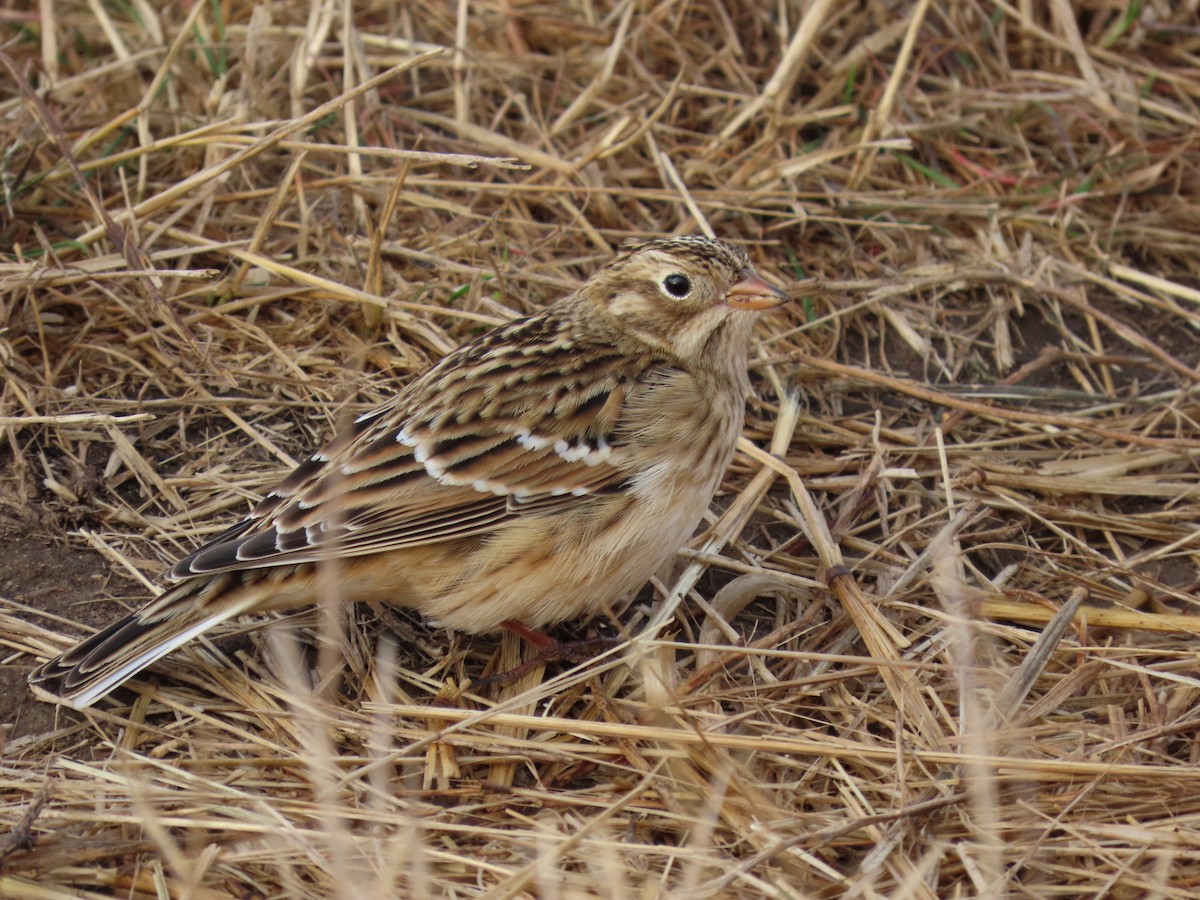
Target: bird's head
x,y
692,297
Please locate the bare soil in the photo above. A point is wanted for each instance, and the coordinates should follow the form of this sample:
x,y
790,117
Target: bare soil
x,y
51,573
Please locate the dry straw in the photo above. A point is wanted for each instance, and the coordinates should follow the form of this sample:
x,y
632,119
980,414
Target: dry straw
x,y
940,637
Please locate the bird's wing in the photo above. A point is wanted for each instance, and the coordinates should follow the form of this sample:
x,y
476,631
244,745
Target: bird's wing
x,y
451,457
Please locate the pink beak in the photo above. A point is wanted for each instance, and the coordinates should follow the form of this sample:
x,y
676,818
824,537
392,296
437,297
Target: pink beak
x,y
753,293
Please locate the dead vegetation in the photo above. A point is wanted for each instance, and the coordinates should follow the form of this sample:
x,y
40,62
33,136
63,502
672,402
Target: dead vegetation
x,y
946,647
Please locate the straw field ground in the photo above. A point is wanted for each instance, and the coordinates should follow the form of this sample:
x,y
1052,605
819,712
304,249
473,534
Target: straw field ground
x,y
939,636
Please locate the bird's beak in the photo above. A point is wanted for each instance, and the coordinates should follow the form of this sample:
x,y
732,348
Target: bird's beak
x,y
753,293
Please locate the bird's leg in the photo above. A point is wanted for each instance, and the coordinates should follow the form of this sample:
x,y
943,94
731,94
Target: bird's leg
x,y
527,634
553,650
548,650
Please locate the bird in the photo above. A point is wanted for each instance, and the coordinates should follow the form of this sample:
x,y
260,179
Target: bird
x,y
540,472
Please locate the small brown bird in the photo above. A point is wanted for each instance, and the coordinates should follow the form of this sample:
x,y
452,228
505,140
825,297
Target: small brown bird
x,y
541,472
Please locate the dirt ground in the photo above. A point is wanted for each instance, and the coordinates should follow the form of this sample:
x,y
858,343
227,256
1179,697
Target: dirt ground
x,y
56,575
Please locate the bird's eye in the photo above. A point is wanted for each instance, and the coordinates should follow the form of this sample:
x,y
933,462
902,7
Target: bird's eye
x,y
677,285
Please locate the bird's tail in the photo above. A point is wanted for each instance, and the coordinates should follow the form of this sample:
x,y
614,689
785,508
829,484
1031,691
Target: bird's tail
x,y
92,668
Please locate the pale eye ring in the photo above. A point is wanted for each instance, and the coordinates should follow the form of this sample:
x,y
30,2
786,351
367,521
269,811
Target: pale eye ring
x,y
677,285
